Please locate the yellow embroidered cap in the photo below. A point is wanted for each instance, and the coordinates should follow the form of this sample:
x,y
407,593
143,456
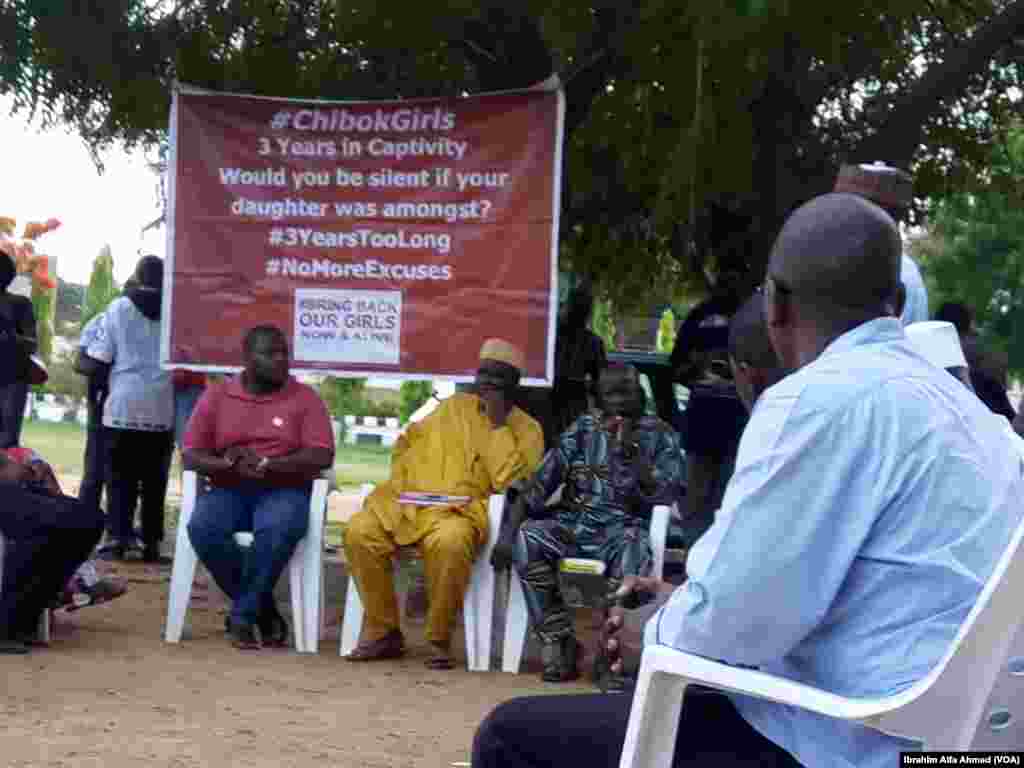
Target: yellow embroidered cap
x,y
503,351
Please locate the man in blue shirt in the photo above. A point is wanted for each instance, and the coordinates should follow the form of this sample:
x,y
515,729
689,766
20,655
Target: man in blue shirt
x,y
873,495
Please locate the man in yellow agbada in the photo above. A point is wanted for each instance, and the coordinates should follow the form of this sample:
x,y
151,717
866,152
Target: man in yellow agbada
x,y
473,444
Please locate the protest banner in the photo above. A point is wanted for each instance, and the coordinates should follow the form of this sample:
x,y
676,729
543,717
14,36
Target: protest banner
x,y
385,238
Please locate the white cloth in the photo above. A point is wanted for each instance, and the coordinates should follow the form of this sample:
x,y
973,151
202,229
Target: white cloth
x,y
938,343
872,496
915,310
141,393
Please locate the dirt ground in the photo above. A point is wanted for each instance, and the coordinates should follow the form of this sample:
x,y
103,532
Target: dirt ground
x,y
109,692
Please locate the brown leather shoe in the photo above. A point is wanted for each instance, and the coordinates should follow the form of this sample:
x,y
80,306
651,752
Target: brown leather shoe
x,y
391,646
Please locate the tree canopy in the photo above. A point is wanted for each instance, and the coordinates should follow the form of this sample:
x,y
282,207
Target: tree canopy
x,y
974,252
693,127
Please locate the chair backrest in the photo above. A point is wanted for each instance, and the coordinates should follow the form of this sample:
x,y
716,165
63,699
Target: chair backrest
x,y
944,708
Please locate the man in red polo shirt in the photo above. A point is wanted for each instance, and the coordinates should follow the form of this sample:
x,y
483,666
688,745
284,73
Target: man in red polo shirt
x,y
261,439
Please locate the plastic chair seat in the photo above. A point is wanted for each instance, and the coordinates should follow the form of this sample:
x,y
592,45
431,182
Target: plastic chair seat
x,y
477,607
305,569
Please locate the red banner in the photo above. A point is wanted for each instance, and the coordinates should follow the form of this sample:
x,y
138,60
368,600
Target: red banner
x,y
385,238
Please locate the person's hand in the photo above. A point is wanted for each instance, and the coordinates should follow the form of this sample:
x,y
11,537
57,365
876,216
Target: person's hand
x,y
42,476
37,472
237,453
236,456
644,469
497,405
503,554
633,591
13,473
252,467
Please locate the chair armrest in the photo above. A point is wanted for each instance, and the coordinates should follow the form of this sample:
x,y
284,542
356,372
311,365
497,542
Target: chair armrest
x,y
659,535
661,660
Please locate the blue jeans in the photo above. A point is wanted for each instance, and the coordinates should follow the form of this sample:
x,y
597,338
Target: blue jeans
x,y
278,519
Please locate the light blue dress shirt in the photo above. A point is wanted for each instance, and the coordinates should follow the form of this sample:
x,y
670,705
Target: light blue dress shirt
x,y
872,496
915,309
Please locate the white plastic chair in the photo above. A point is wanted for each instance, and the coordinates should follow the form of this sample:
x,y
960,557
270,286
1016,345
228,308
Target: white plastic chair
x,y
43,631
305,569
942,710
517,619
477,608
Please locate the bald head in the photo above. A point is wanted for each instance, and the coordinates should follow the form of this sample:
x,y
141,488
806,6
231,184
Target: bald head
x,y
834,266
748,335
839,250
755,366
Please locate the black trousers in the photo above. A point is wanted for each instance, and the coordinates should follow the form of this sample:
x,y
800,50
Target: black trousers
x,y
590,729
13,400
97,456
94,473
47,538
138,468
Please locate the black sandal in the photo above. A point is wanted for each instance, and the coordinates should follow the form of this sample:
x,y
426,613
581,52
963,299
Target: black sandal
x,y
243,637
274,629
559,659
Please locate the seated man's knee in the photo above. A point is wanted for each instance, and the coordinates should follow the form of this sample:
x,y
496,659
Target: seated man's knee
x,y
455,538
494,734
364,533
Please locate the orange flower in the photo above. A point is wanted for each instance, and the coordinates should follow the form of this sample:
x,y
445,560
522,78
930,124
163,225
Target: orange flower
x,y
33,230
41,272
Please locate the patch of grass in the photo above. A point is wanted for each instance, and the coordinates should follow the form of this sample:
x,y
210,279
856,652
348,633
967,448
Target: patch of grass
x,y
63,445
358,464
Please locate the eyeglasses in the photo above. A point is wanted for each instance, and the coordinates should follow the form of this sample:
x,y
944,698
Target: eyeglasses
x,y
780,286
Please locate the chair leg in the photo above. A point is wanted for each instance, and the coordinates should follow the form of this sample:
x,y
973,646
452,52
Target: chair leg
x,y
312,582
653,721
295,587
471,623
45,622
478,617
322,621
182,574
517,622
311,569
352,621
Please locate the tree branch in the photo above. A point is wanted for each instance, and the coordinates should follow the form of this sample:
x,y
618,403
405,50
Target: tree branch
x,y
899,132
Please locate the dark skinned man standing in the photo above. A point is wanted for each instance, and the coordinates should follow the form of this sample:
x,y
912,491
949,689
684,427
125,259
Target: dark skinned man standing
x,y
261,439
